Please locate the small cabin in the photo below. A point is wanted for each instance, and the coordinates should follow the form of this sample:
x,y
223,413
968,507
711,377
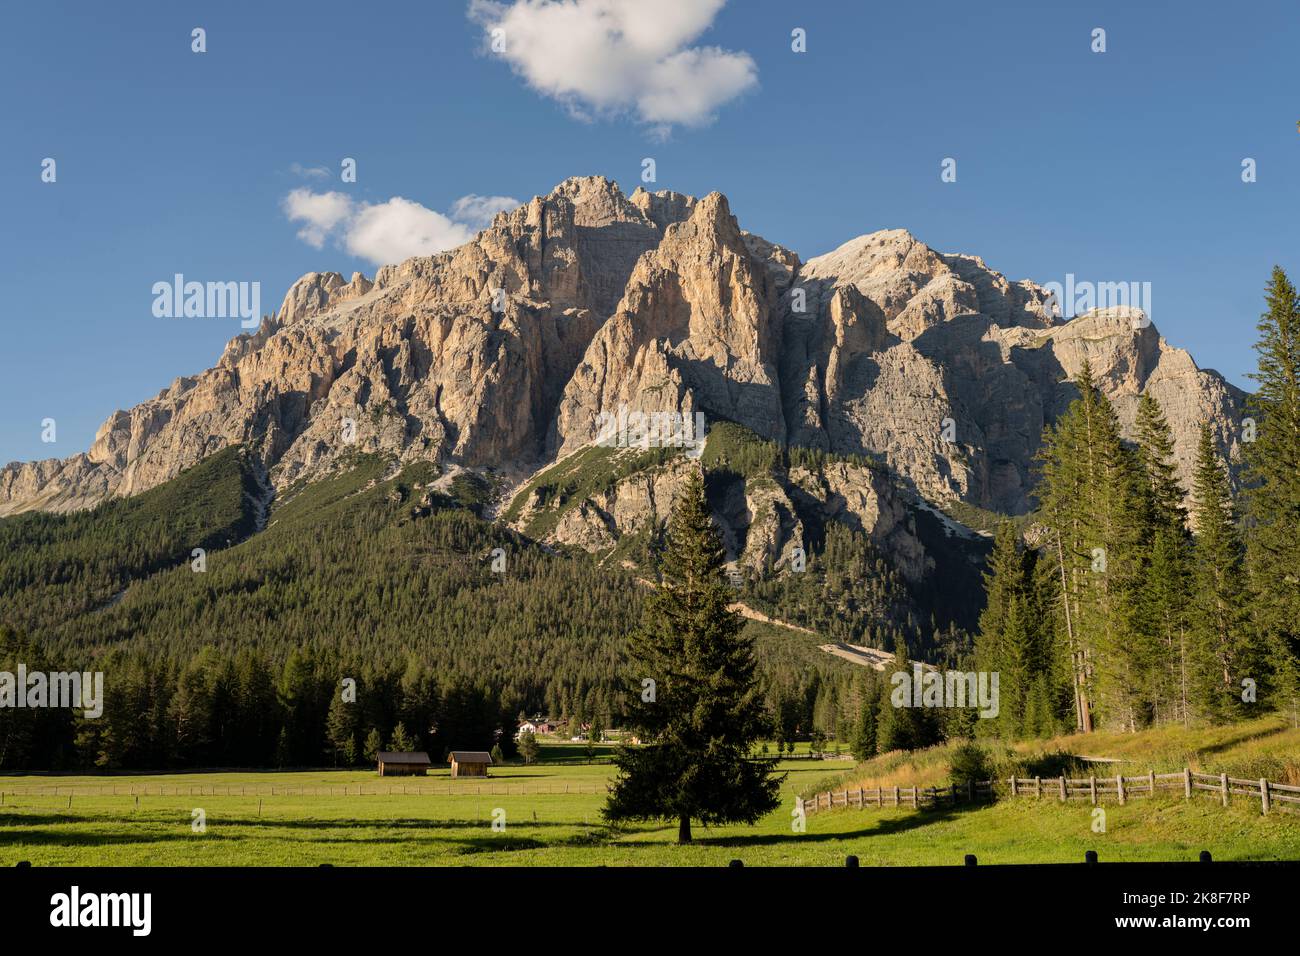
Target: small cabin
x,y
403,764
470,763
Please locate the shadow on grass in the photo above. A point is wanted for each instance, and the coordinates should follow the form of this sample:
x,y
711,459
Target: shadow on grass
x,y
883,827
1241,738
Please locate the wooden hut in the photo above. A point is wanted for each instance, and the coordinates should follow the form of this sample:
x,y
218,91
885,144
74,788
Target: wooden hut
x,y
470,763
403,764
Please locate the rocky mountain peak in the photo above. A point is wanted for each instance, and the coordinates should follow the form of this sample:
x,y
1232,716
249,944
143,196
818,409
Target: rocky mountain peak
x,y
505,352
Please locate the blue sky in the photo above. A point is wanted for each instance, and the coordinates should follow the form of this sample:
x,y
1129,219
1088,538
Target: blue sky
x,y
1119,166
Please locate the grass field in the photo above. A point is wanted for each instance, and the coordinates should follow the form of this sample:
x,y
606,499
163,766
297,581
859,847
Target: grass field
x,y
73,827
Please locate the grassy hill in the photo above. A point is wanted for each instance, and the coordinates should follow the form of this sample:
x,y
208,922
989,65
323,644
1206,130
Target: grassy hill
x,y
1268,746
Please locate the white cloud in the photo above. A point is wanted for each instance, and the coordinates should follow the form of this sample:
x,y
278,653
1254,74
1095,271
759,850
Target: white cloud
x,y
391,231
398,229
310,172
478,211
612,56
320,213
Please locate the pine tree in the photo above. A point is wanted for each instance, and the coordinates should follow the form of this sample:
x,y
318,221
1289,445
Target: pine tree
x,y
1218,617
1164,604
1155,451
1273,489
1087,496
374,744
1007,641
702,723
341,729
1162,599
864,732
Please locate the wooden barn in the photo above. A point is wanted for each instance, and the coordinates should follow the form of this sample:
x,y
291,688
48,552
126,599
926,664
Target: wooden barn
x,y
405,764
470,763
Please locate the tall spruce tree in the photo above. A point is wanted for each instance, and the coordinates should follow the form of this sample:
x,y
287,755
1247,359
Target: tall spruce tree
x,y
1007,642
702,717
1164,604
1218,624
1273,489
1162,599
1089,490
1155,451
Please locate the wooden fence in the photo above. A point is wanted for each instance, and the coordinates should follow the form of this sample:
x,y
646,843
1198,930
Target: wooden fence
x,y
915,797
1267,793
1186,780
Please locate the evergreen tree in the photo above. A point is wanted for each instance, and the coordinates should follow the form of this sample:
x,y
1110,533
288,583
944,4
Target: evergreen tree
x,y
1155,451
341,728
1164,607
1089,491
1221,651
706,717
1273,493
1008,640
401,742
1161,608
864,733
374,744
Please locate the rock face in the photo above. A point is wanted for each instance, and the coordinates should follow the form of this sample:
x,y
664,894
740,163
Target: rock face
x,y
505,353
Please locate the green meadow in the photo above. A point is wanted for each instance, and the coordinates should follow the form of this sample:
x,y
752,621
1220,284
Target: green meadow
x,y
317,817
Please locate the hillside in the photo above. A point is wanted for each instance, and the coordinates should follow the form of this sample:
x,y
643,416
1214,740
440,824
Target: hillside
x,y
1264,747
381,572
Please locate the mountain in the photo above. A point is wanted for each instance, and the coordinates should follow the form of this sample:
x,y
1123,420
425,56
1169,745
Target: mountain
x,y
835,384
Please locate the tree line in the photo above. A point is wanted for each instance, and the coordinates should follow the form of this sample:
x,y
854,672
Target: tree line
x,y
1133,603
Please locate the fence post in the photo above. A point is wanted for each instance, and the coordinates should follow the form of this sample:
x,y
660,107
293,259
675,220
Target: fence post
x,y
1223,786
1187,783
1152,775
1038,786
1263,794
895,796
1119,783
970,791
1013,785
1092,788
1063,788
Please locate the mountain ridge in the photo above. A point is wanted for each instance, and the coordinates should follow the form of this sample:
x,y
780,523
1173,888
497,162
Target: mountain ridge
x,y
500,355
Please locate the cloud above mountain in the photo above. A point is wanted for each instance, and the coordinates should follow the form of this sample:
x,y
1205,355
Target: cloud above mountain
x,y
388,232
608,57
